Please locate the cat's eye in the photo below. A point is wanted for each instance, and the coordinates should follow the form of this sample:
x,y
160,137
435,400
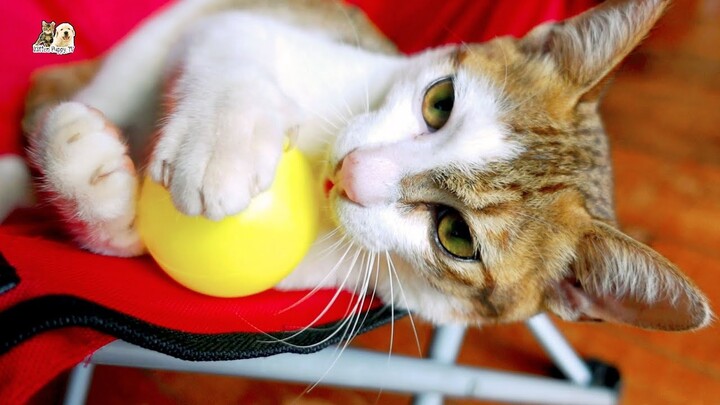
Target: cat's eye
x,y
438,103
453,235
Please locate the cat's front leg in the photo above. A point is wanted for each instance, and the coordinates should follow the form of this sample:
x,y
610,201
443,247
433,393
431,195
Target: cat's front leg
x,y
90,178
222,141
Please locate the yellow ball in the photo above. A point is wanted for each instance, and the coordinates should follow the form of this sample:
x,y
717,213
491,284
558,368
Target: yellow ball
x,y
242,254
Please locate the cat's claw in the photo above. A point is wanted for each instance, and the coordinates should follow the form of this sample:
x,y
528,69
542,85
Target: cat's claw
x,y
215,166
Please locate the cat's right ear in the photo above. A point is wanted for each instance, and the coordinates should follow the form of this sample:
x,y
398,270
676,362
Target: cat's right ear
x,y
587,48
615,278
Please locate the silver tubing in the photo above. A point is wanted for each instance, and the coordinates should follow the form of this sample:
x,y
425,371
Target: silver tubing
x,y
445,346
372,370
559,350
79,384
446,343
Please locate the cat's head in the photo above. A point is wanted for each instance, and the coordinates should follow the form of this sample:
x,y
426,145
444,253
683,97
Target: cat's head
x,y
48,27
487,170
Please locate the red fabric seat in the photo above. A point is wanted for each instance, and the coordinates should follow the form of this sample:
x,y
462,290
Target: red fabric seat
x,y
60,285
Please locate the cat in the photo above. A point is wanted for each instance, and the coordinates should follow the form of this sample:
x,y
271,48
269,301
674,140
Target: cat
x,y
46,36
468,183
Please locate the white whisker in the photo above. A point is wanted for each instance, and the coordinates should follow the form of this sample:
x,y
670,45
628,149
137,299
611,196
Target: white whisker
x,y
392,305
351,330
404,298
319,286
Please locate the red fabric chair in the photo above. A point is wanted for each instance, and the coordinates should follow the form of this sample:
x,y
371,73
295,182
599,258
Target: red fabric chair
x,y
60,304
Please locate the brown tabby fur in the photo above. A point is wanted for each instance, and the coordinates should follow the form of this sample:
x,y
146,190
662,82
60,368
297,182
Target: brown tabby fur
x,y
544,221
538,217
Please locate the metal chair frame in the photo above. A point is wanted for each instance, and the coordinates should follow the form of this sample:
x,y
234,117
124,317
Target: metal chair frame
x,y
429,379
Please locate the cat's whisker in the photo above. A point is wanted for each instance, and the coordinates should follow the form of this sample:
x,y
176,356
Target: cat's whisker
x,y
374,262
505,79
329,234
352,308
324,119
404,298
356,314
516,106
325,310
329,250
329,273
358,44
392,305
347,332
355,311
342,285
350,113
322,283
340,118
364,293
534,218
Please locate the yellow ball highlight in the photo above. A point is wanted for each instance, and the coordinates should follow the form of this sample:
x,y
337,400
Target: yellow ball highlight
x,y
242,254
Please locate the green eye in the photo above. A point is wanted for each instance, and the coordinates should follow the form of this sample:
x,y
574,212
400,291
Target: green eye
x,y
454,235
438,103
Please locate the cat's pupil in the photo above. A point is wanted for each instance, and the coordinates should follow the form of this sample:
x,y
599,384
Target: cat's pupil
x,y
460,231
444,105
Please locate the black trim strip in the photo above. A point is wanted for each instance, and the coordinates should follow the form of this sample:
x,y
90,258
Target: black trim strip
x,y
8,276
28,318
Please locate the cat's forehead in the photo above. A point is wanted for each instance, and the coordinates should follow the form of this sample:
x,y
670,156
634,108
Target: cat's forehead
x,y
532,88
536,110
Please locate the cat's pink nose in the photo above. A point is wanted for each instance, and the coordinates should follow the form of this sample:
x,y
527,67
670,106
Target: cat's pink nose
x,y
367,177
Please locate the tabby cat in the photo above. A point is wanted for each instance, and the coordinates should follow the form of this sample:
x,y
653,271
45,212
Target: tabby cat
x,y
469,183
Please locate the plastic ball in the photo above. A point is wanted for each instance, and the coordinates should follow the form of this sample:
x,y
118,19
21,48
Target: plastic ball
x,y
242,254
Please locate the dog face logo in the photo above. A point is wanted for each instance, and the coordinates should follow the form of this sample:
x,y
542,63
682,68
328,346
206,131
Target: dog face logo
x,y
59,40
64,35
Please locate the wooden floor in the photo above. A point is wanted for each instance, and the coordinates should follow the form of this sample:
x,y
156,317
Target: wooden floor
x,y
663,114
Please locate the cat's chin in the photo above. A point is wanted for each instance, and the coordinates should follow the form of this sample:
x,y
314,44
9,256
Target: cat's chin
x,y
360,223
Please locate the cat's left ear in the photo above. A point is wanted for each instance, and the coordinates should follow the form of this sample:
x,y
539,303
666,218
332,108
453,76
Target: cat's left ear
x,y
587,48
615,278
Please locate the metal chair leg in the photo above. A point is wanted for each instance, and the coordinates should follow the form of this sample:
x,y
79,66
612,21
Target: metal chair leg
x,y
372,370
433,377
559,350
444,349
79,384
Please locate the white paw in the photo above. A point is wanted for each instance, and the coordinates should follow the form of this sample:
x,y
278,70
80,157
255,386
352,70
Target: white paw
x,y
214,157
85,166
15,186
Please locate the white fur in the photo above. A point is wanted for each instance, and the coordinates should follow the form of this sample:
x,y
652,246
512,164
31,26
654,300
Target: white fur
x,y
384,146
235,101
224,140
15,185
86,168
246,81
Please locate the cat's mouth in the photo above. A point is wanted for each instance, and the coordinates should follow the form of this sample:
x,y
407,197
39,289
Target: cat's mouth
x,y
328,186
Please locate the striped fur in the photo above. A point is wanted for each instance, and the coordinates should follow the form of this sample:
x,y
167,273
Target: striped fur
x,y
523,158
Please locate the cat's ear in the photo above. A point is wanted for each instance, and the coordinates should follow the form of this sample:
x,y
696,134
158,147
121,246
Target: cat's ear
x,y
587,48
615,278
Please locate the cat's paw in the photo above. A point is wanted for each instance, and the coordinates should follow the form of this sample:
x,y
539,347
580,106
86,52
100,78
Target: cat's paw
x,y
93,182
214,163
